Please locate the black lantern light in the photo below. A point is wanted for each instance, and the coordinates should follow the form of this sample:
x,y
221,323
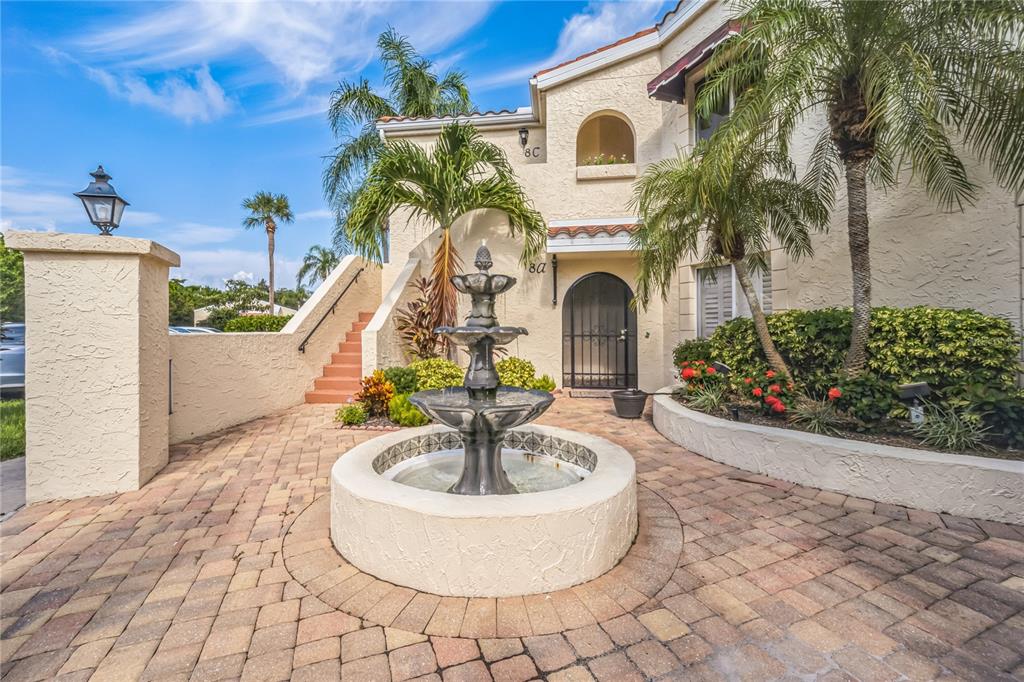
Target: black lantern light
x,y
524,137
102,203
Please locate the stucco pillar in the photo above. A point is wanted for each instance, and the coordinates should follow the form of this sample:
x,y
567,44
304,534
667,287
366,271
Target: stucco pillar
x,y
96,362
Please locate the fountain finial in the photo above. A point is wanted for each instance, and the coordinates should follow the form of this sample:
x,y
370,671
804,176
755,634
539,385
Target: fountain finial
x,y
483,260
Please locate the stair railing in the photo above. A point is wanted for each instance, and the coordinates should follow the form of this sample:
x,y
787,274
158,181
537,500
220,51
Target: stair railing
x,y
302,346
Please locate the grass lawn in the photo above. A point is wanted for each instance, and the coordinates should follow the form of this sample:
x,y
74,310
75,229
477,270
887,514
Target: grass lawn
x,y
12,429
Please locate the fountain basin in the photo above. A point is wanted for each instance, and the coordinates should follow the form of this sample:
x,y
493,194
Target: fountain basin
x,y
488,545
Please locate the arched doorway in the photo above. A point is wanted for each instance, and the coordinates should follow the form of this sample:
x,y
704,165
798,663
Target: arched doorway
x,y
599,334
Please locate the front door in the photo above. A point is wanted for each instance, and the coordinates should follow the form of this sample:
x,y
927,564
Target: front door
x,y
599,334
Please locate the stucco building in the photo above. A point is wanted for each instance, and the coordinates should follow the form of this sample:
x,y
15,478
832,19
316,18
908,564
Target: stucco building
x,y
633,100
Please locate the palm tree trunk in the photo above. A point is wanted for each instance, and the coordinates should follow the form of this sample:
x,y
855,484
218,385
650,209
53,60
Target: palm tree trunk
x,y
860,264
443,295
760,322
270,255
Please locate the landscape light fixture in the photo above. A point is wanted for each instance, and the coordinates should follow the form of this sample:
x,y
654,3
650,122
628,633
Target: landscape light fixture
x,y
524,137
102,203
913,394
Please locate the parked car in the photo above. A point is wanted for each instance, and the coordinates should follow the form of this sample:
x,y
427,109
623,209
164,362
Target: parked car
x,y
193,330
12,359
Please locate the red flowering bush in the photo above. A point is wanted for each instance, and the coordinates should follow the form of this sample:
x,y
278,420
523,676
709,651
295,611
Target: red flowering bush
x,y
698,374
771,390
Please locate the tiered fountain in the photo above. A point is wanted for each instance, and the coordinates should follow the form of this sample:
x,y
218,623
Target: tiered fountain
x,y
487,509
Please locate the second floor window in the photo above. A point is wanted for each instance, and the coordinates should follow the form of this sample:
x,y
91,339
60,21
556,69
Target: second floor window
x,y
705,127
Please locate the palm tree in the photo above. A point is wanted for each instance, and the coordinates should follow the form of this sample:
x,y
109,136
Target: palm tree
x,y
901,83
461,173
265,209
413,89
316,265
724,209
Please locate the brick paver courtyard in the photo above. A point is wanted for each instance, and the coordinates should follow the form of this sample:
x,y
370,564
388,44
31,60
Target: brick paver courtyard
x,y
220,568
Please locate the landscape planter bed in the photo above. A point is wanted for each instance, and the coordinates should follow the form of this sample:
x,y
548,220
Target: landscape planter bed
x,y
964,485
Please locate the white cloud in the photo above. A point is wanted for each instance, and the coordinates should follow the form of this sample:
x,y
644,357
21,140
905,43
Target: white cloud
x,y
315,214
214,266
600,23
193,234
201,100
295,43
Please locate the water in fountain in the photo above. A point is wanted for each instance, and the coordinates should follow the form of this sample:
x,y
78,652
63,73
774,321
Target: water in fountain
x,y
483,411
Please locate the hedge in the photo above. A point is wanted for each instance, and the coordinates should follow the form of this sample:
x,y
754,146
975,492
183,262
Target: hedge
x,y
257,323
946,348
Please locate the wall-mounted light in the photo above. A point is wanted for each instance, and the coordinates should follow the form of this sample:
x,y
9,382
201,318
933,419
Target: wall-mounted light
x,y
524,137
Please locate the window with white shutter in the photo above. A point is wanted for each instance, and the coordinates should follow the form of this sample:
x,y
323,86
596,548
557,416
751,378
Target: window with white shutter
x,y
720,298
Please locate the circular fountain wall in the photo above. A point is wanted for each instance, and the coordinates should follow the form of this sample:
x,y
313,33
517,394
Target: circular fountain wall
x,y
486,545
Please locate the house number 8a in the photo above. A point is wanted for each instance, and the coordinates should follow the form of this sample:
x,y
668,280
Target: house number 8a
x,y
538,268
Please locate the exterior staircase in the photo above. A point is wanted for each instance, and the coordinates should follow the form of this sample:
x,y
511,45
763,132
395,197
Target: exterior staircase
x,y
340,381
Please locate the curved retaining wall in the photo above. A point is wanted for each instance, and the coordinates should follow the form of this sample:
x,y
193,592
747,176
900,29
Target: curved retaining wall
x,y
976,487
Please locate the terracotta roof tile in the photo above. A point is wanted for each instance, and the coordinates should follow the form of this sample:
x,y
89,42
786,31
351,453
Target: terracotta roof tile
x,y
638,34
590,230
474,114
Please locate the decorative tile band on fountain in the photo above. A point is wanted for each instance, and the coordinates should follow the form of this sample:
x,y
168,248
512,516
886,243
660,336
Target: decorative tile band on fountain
x,y
484,510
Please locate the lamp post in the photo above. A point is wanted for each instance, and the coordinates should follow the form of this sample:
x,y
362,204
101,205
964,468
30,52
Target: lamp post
x,y
102,203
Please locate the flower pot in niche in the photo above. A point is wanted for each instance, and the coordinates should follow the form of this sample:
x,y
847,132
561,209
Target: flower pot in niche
x,y
629,404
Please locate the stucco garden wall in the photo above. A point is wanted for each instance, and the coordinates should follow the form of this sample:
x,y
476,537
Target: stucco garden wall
x,y
976,487
219,380
96,362
381,343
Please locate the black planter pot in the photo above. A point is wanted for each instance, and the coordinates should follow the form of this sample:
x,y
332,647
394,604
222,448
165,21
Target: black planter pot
x,y
629,404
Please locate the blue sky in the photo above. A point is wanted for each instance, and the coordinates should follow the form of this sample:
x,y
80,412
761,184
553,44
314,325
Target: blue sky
x,y
191,107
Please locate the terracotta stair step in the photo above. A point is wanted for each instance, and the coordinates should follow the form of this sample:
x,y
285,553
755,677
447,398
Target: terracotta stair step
x,y
327,396
365,317
356,337
343,369
350,384
350,347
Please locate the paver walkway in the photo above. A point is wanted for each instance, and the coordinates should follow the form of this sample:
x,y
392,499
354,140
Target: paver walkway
x,y
197,577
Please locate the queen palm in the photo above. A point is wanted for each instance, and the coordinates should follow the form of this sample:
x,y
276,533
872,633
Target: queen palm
x,y
723,208
901,83
461,173
413,89
316,265
265,210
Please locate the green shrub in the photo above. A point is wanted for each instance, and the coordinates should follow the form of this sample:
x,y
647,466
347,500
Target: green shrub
x,y
708,398
867,398
353,413
402,378
1002,412
219,317
516,372
375,393
436,373
691,351
817,417
951,429
257,323
946,348
12,429
543,383
404,413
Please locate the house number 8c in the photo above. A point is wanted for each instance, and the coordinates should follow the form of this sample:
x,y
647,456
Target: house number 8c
x,y
538,268
532,152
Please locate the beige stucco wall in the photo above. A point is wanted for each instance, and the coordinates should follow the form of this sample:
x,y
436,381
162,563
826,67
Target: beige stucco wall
x,y
96,362
381,343
224,379
920,254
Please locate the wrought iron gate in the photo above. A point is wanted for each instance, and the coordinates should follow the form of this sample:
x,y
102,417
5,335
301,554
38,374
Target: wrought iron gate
x,y
599,334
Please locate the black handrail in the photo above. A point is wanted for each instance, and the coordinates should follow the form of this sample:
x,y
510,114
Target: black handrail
x,y
302,346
